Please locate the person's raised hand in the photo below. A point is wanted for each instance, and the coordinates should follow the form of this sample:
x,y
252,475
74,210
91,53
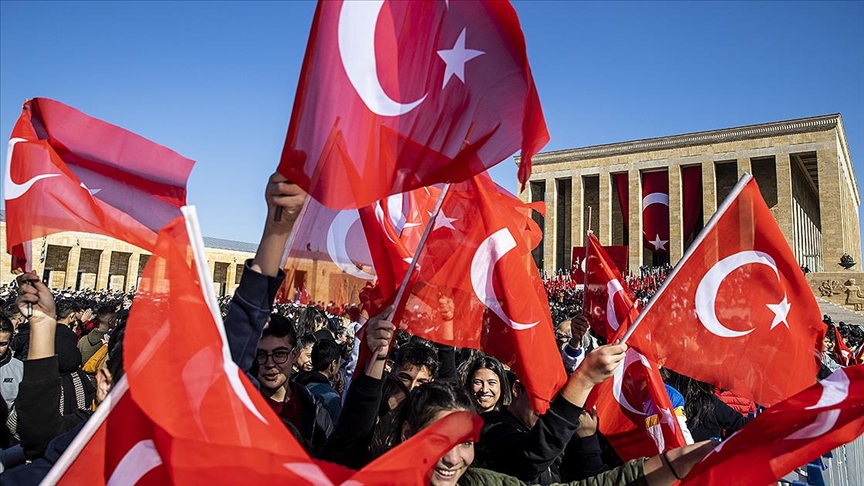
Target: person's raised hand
x,y
578,328
596,368
285,198
32,291
379,334
587,423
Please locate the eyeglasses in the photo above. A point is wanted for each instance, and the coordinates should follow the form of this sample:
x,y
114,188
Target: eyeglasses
x,y
280,356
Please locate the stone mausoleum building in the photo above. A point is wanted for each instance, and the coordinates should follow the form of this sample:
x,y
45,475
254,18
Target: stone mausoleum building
x,y
80,261
802,166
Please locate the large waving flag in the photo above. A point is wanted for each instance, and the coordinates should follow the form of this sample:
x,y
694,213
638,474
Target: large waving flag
x,y
790,433
478,286
190,412
737,312
394,96
66,171
637,415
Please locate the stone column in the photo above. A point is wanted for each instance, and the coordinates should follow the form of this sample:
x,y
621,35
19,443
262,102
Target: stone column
x,y
577,229
829,203
605,211
783,211
709,191
104,268
676,214
549,233
229,278
634,215
132,271
72,262
744,165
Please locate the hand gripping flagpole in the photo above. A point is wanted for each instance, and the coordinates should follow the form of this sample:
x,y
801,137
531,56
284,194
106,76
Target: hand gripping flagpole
x,y
733,194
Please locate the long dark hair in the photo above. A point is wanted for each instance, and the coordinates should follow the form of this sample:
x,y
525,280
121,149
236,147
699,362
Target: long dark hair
x,y
418,411
495,366
698,403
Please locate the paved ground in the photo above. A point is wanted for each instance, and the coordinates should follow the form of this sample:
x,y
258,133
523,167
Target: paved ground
x,y
839,313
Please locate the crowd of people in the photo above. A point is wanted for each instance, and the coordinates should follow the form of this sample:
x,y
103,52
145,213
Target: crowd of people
x,y
61,352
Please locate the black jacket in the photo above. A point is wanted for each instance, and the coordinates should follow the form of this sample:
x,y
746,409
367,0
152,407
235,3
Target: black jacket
x,y
250,309
721,424
535,455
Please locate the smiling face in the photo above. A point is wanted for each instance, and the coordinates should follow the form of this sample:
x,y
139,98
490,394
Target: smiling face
x,y
273,375
303,358
485,389
455,462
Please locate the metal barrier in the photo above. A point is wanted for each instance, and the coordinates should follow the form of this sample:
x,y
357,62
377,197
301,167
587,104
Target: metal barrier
x,y
844,466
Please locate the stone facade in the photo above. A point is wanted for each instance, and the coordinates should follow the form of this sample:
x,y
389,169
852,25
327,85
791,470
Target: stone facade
x,y
802,166
87,261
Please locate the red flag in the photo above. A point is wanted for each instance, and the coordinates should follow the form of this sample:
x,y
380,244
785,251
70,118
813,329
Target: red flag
x,y
787,435
609,303
190,414
843,354
67,171
478,257
636,413
655,210
737,312
691,198
394,96
328,255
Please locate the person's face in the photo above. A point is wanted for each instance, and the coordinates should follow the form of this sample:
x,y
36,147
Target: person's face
x,y
303,358
413,376
5,337
271,374
486,389
454,463
827,344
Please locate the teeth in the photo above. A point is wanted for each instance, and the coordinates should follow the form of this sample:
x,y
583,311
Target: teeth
x,y
446,472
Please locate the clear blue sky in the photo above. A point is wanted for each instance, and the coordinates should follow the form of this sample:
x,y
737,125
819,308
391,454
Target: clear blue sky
x,y
215,81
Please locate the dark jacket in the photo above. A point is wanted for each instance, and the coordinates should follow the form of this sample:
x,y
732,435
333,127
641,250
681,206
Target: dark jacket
x,y
534,455
250,309
349,444
630,474
320,386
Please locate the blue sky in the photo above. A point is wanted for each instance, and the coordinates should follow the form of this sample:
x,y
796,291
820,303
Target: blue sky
x,y
215,81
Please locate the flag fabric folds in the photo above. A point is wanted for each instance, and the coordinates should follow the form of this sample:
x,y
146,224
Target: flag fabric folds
x,y
841,351
636,413
788,434
327,237
477,285
67,171
610,305
737,312
394,96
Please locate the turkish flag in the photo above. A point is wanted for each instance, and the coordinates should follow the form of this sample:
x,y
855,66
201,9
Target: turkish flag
x,y
636,414
67,171
788,434
737,312
393,228
655,210
328,254
478,286
394,96
843,353
610,305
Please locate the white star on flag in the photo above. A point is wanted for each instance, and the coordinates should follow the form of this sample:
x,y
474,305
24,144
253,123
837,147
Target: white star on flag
x,y
456,59
658,243
442,221
781,311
